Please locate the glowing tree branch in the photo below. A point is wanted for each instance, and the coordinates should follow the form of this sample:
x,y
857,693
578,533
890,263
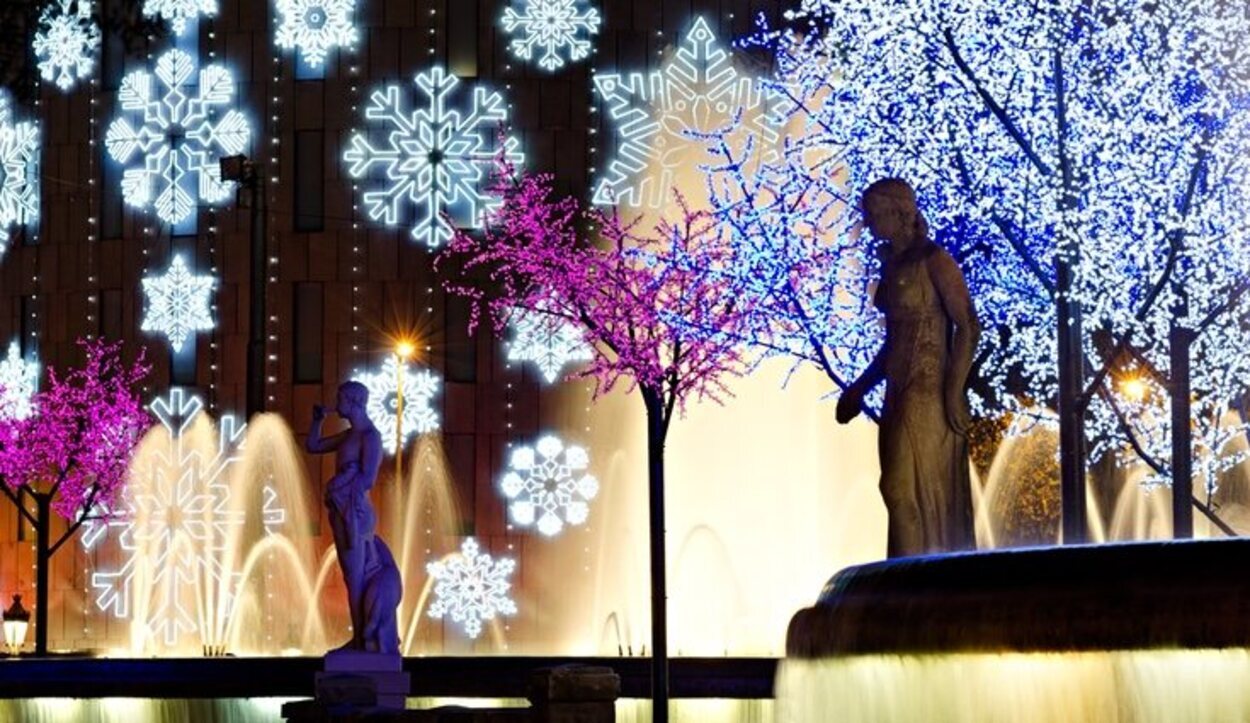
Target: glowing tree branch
x,y
72,455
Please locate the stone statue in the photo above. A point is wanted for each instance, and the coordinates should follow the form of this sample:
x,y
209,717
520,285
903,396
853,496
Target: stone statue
x,y
369,572
931,332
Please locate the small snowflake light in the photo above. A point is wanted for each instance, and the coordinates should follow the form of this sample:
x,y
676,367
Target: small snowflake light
x,y
546,484
178,303
178,12
19,379
19,171
66,42
314,27
551,26
549,341
471,587
177,120
419,389
436,158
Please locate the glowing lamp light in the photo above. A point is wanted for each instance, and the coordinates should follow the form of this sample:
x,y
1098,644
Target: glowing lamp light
x,y
16,623
405,349
1133,388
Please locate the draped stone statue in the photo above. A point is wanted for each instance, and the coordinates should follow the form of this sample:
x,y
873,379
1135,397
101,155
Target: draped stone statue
x,y
931,334
373,583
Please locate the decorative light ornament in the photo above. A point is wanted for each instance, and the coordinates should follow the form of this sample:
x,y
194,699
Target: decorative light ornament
x,y
179,134
470,587
434,157
178,303
19,171
314,27
19,379
549,341
419,390
178,12
178,515
661,116
66,42
551,25
546,485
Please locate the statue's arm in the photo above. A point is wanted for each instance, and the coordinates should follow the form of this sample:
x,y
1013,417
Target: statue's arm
x,y
316,444
371,459
957,302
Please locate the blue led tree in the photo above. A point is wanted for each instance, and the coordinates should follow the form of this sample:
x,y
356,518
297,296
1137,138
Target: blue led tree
x,y
1084,161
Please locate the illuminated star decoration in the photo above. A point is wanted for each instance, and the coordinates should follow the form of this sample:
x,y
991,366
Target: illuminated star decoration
x,y
177,514
178,12
178,303
66,43
546,483
19,171
434,157
471,587
551,25
419,390
315,26
19,379
659,116
182,126
547,340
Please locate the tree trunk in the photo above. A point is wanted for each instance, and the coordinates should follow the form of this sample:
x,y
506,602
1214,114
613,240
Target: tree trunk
x,y
42,559
1180,340
1071,408
659,591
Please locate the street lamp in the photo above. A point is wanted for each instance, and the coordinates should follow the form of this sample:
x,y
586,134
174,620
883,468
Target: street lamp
x,y
249,175
16,622
404,350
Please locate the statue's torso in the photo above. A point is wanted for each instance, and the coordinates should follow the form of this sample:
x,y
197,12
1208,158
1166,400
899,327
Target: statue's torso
x,y
917,327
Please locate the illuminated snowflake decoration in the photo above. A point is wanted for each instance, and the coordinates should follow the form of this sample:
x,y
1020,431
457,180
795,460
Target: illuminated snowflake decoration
x,y
179,122
19,171
178,303
547,340
19,378
66,43
315,27
660,117
471,587
552,26
176,515
547,485
435,158
419,389
178,12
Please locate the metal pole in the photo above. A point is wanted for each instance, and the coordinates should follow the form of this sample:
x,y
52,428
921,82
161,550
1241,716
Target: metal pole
x,y
399,419
256,324
1180,339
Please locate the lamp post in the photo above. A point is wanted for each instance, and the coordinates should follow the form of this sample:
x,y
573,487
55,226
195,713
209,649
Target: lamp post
x,y
249,175
16,622
403,351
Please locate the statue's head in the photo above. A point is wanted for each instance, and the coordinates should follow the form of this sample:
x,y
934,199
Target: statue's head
x,y
353,397
891,213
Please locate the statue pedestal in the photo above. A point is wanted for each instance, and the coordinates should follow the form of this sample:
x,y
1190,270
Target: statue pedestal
x,y
361,679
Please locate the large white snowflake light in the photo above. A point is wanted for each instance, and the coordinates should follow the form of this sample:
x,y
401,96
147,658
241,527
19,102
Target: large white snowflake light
x,y
19,379
470,587
659,116
19,171
551,25
419,388
315,26
66,42
178,303
547,484
434,157
178,12
179,122
547,340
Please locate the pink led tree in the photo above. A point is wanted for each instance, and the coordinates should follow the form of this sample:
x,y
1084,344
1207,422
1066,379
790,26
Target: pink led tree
x,y
631,293
71,457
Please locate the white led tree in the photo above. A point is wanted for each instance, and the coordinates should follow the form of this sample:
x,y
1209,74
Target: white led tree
x,y
179,12
547,486
178,122
315,27
551,26
547,339
437,157
419,389
66,43
657,114
19,380
471,587
19,171
178,303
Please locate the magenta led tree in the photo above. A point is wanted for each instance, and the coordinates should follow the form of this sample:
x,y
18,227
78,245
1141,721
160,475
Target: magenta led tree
x,y
622,290
72,455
